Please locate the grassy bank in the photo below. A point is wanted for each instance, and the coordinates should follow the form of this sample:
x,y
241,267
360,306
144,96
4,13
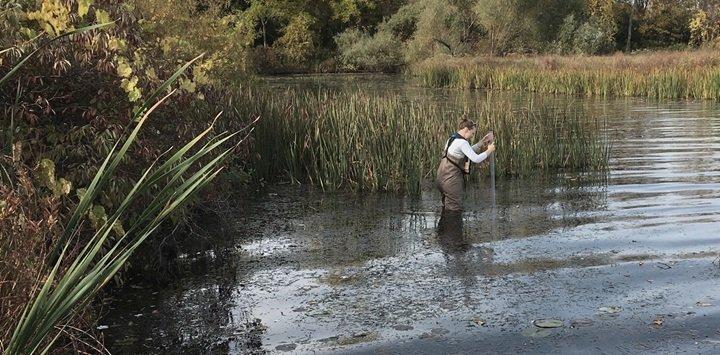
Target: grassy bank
x,y
657,75
367,142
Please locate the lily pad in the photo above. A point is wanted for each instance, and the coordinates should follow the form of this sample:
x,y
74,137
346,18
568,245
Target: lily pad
x,y
534,332
548,323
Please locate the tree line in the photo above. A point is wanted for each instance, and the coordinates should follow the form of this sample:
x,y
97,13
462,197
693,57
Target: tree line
x,y
385,35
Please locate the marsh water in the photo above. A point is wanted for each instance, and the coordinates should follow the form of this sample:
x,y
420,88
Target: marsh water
x,y
626,260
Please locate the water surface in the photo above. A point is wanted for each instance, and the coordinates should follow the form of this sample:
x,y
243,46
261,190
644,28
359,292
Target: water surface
x,y
624,259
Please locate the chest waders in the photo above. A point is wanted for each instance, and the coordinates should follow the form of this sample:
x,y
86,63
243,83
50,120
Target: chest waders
x,y
451,178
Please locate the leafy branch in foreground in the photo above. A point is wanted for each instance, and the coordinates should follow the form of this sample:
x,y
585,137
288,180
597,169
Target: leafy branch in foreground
x,y
65,291
22,62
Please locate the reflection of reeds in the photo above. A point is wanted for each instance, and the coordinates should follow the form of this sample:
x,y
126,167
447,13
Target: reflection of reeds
x,y
694,75
370,142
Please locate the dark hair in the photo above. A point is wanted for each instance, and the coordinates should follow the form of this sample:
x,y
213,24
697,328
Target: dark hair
x,y
466,123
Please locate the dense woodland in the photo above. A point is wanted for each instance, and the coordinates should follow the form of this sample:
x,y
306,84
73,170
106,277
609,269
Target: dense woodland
x,y
67,105
292,35
270,36
425,28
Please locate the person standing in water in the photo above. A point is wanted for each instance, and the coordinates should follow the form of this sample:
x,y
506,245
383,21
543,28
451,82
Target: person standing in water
x,y
455,163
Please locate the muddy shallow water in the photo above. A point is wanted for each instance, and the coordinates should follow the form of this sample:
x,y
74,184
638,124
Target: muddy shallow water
x,y
625,261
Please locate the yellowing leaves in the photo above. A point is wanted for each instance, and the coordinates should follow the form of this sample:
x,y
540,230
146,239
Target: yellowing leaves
x,y
130,87
117,44
97,216
123,68
187,85
28,32
117,227
53,17
151,75
200,72
62,187
46,172
129,83
703,31
46,175
83,7
167,45
102,16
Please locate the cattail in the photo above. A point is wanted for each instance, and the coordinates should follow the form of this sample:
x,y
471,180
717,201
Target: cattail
x,y
362,141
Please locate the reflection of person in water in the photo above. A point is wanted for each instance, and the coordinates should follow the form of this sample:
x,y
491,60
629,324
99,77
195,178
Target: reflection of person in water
x,y
463,259
450,233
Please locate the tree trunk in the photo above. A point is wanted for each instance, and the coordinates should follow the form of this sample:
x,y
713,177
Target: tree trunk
x,y
630,19
263,22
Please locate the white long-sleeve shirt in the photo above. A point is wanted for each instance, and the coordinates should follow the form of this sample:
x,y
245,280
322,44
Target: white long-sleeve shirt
x,y
460,148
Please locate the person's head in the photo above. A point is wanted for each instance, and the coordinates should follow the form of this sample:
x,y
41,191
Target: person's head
x,y
467,128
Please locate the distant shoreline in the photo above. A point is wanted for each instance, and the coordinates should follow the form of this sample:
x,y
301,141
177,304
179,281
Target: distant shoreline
x,y
659,75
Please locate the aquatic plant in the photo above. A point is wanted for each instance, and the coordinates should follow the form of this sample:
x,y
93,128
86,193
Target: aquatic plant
x,y
77,276
664,75
371,142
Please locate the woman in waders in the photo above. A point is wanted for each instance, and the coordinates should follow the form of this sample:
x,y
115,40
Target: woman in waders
x,y
455,163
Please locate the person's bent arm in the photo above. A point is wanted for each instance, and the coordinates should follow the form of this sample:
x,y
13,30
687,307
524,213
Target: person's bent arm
x,y
489,138
470,153
477,147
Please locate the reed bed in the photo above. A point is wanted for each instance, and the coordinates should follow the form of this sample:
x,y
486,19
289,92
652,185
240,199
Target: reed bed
x,y
669,75
386,143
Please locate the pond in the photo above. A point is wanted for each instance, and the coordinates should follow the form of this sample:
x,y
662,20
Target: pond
x,y
626,261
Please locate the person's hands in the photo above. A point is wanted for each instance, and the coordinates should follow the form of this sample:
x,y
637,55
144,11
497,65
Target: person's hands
x,y
488,137
491,148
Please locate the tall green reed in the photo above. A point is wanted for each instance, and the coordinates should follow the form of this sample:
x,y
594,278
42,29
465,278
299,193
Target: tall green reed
x,y
371,142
